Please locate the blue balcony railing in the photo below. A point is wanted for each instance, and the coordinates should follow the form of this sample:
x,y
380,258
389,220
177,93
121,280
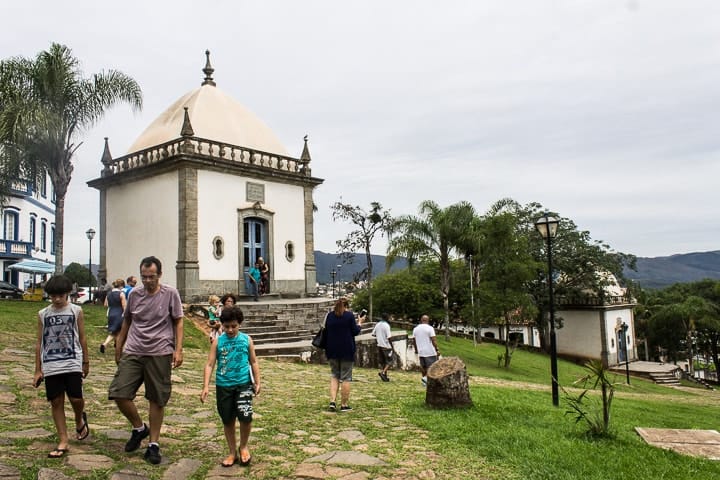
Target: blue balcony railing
x,y
15,249
21,187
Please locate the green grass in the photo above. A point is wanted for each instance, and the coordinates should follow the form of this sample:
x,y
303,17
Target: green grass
x,y
482,360
511,432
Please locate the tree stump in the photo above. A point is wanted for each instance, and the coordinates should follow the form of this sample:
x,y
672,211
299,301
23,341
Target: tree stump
x,y
447,384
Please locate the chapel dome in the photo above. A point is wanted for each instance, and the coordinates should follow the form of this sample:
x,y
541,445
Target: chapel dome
x,y
214,115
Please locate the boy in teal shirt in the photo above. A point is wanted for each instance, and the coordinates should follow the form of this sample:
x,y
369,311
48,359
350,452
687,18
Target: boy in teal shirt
x,y
236,380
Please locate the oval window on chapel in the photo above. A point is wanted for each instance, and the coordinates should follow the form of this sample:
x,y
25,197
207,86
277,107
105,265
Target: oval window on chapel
x,y
290,251
218,247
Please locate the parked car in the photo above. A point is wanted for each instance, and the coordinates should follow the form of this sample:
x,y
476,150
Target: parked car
x,y
8,290
83,295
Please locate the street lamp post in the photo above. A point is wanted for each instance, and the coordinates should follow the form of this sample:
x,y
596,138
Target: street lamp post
x,y
472,302
339,280
90,235
333,282
547,226
624,328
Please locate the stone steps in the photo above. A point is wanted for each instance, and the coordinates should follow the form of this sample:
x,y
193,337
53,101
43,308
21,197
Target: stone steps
x,y
664,378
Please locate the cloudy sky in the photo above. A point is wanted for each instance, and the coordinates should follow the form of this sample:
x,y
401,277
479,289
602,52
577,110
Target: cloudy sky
x,y
605,111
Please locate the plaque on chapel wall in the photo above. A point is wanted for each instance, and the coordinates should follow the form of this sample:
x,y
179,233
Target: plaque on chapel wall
x,y
255,192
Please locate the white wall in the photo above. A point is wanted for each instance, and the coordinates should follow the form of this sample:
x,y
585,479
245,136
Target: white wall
x,y
580,334
133,235
220,196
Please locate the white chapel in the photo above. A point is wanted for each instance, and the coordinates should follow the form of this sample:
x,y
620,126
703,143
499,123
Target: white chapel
x,y
208,188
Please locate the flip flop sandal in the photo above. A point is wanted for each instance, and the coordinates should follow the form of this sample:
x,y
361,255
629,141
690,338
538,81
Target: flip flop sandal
x,y
85,428
58,453
245,457
234,459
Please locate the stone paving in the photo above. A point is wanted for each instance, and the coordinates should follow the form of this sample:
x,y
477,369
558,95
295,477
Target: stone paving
x,y
294,436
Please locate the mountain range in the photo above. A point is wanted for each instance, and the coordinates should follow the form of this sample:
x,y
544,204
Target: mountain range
x,y
660,272
652,272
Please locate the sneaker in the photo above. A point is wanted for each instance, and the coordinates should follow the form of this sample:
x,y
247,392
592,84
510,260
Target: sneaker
x,y
345,408
333,406
424,381
102,348
384,377
137,437
152,454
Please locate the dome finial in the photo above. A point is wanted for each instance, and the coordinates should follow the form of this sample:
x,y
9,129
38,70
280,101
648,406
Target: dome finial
x,y
208,71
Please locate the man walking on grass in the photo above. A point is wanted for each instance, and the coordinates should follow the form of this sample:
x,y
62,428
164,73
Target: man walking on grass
x,y
149,346
381,332
425,345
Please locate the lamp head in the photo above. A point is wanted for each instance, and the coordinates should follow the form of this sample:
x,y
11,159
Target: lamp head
x,y
90,234
547,226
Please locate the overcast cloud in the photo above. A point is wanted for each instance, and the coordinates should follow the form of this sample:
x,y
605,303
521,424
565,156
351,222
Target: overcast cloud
x,y
605,111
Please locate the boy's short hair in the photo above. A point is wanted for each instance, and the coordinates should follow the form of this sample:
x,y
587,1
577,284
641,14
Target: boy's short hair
x,y
58,285
233,313
226,296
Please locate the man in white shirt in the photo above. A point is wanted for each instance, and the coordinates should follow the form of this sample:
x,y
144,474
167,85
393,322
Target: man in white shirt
x,y
381,332
425,345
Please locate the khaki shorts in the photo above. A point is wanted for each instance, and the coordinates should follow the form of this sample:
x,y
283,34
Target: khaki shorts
x,y
341,369
134,370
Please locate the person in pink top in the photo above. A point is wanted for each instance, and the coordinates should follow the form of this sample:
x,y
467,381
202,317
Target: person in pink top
x,y
149,346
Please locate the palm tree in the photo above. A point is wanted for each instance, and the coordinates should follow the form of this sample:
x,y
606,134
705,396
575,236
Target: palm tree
x,y
435,234
45,104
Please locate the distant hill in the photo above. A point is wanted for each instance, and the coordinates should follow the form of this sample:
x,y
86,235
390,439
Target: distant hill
x,y
660,272
652,272
326,262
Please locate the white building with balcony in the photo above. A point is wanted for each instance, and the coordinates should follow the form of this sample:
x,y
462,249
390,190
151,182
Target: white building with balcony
x,y
208,188
28,228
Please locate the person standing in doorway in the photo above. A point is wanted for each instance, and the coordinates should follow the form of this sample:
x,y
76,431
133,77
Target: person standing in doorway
x,y
264,276
381,332
425,345
254,275
149,346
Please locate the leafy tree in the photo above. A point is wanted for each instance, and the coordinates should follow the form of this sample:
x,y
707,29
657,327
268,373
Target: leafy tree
x,y
508,268
404,294
433,235
684,319
369,224
45,104
580,263
80,274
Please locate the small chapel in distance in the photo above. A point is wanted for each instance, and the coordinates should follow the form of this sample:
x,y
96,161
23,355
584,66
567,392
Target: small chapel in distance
x,y
208,188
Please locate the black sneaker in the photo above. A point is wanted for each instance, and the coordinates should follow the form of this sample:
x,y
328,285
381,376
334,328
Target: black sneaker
x,y
333,406
102,348
345,408
137,437
152,454
384,376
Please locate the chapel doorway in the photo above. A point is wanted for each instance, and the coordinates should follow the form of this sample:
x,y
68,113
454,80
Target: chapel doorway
x,y
255,244
621,346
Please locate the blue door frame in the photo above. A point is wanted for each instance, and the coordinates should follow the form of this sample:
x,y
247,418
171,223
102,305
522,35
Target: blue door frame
x,y
254,245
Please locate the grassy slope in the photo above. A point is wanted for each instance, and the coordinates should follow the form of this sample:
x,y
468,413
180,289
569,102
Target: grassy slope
x,y
521,432
511,432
